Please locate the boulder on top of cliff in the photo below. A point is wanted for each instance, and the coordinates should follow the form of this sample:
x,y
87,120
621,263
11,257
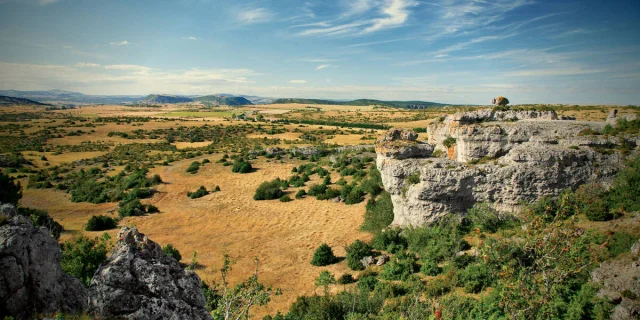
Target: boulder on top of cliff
x,y
139,281
500,101
402,144
32,281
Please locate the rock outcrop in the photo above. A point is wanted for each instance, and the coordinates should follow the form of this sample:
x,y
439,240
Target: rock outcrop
x,y
139,281
32,281
500,157
620,284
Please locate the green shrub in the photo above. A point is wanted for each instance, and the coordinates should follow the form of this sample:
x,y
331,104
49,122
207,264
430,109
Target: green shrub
x,y
194,167
462,261
301,194
172,252
437,287
367,283
382,239
399,268
317,189
135,208
449,142
439,241
351,194
82,257
323,256
201,192
379,213
346,279
627,183
619,243
100,223
592,202
269,191
241,166
217,189
475,277
430,267
355,252
285,198
483,216
10,191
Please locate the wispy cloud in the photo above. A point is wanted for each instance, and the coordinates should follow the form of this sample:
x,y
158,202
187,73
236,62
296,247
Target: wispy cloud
x,y
192,38
297,81
127,67
318,60
396,14
121,43
322,66
86,65
334,30
251,15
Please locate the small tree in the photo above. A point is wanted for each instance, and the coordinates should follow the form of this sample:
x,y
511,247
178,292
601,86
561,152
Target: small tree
x,y
100,223
325,279
323,256
82,257
355,252
236,302
9,190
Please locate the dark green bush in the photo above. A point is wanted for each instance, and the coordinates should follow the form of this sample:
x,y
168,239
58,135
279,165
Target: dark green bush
x,y
82,257
619,243
437,287
430,267
346,279
194,167
449,142
241,166
483,216
285,198
355,252
301,194
323,256
10,191
135,208
100,223
317,189
382,239
172,252
475,277
269,190
201,192
367,283
399,268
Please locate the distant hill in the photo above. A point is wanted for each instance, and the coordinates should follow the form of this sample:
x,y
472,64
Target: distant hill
x,y
6,100
365,102
69,97
224,100
163,99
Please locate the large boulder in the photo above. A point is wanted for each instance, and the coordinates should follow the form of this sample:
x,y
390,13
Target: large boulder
x,y
139,281
32,281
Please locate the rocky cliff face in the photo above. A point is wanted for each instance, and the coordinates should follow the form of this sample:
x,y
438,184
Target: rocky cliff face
x,y
32,280
139,281
503,158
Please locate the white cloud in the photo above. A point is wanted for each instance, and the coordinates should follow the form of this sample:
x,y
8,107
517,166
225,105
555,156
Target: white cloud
x,y
553,72
441,55
355,7
86,65
334,30
298,81
192,38
318,60
254,15
323,66
127,67
121,43
397,13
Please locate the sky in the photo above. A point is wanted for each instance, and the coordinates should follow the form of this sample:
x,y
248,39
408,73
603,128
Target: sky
x,y
450,51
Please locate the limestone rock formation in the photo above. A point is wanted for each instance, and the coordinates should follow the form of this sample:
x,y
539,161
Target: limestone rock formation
x,y
619,280
32,280
139,281
500,101
500,157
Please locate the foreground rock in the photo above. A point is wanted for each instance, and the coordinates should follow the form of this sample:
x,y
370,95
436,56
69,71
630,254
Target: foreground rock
x,y
139,281
32,281
500,157
620,284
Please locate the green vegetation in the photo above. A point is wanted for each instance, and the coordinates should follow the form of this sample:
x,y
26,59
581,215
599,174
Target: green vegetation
x,y
100,223
285,198
449,142
323,256
379,213
269,190
201,192
241,166
41,218
172,252
82,257
10,191
356,251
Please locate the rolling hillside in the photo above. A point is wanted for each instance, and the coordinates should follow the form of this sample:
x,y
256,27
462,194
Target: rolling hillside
x,y
365,102
162,99
5,100
225,100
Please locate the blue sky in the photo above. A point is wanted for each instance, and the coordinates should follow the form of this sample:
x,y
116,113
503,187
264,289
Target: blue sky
x,y
455,51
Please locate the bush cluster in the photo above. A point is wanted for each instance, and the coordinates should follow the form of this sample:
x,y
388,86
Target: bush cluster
x,y
323,256
269,190
100,223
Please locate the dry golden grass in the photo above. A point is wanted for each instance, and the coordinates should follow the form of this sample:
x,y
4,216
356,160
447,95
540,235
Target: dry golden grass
x,y
283,235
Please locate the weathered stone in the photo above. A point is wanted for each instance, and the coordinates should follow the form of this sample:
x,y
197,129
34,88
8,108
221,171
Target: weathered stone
x,y
367,261
32,280
382,260
504,163
139,281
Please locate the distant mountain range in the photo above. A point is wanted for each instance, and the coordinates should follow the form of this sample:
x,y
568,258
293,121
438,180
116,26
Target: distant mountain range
x,y
5,100
365,102
70,97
